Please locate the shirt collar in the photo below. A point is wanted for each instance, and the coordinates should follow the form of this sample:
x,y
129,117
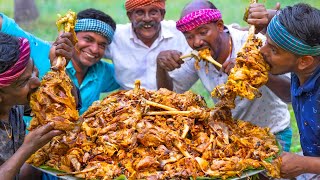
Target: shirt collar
x,y
308,86
70,68
90,76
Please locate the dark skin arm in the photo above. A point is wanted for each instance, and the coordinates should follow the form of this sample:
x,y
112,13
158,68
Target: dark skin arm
x,y
167,61
33,141
280,85
294,165
0,22
64,47
260,17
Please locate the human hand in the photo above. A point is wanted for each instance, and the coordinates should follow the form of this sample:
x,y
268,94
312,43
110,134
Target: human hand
x,y
292,165
39,137
258,16
228,65
169,60
63,46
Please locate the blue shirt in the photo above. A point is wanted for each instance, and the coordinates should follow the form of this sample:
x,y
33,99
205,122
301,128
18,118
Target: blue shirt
x,y
99,78
306,106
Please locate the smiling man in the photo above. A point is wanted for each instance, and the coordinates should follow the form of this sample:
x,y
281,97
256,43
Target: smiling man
x,y
201,23
137,44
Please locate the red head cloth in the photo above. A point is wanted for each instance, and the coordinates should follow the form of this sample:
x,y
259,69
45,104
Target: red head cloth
x,y
197,18
10,75
132,4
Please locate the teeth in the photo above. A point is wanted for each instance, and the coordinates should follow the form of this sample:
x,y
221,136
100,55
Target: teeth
x,y
147,26
89,55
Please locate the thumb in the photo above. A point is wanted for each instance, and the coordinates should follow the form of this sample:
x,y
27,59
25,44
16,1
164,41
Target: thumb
x,y
277,7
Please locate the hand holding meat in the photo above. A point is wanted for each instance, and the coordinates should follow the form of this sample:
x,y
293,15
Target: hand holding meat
x,y
63,46
169,60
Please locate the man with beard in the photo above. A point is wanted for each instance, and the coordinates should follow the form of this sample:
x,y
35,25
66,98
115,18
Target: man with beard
x,y
90,75
293,45
18,79
202,25
137,44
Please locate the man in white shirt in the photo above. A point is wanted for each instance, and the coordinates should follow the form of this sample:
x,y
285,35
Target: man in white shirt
x,y
203,27
136,45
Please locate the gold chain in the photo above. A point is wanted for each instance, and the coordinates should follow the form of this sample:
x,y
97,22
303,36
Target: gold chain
x,y
230,44
9,135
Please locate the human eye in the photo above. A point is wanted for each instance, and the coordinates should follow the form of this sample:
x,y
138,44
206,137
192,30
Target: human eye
x,y
102,46
88,39
274,50
203,32
188,37
139,12
154,12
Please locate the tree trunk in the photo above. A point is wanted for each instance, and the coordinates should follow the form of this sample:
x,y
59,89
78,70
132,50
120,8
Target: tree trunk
x,y
25,11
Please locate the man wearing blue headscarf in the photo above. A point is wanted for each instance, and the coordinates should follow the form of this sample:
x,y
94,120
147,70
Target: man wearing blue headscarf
x,y
293,45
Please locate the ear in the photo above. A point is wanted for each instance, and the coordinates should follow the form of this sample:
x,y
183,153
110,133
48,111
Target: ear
x,y
129,15
1,98
305,62
220,25
163,13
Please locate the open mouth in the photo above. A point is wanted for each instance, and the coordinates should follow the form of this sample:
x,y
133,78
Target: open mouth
x,y
89,55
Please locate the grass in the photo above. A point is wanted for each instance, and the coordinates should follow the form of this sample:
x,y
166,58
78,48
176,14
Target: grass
x,y
232,10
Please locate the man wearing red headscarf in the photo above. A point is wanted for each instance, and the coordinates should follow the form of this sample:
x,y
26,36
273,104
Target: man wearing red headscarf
x,y
136,45
18,79
132,4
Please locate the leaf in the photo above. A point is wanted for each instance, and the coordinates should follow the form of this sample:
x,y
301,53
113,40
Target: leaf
x,y
121,177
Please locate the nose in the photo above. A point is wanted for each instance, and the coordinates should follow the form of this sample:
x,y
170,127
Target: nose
x,y
197,43
35,82
263,49
94,48
146,17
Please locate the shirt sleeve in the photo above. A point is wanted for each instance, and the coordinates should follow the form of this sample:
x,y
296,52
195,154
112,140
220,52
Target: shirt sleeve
x,y
184,77
109,83
39,48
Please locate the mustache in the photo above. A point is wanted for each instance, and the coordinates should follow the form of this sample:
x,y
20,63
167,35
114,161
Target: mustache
x,y
142,24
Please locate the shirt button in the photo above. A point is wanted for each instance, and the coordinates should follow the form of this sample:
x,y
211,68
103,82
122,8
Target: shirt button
x,y
306,123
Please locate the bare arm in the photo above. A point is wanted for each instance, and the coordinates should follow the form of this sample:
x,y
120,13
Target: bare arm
x,y
293,165
167,61
280,85
33,141
0,22
163,79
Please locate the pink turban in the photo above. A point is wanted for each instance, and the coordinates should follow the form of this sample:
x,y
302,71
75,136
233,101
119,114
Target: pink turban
x,y
10,75
197,18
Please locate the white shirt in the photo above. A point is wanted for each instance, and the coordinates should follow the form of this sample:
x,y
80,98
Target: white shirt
x,y
134,60
266,111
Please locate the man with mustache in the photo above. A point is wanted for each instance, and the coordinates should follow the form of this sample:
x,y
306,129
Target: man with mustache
x,y
293,45
18,79
137,44
202,25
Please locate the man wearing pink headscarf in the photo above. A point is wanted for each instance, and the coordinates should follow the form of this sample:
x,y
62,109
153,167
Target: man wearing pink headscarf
x,y
18,79
202,25
136,45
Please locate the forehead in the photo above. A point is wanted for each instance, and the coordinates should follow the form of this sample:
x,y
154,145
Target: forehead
x,y
147,8
280,50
